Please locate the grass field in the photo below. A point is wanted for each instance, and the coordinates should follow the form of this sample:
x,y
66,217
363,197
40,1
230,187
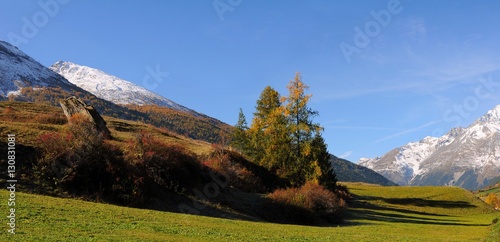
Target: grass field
x,y
379,214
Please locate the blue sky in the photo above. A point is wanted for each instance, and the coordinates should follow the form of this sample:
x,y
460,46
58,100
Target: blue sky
x,y
382,73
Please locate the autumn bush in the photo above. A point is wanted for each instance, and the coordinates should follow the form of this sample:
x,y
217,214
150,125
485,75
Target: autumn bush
x,y
311,201
50,119
78,162
161,166
492,200
81,162
240,177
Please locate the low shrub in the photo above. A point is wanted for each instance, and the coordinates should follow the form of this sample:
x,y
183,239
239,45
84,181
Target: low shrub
x,y
50,119
318,201
161,166
76,162
240,177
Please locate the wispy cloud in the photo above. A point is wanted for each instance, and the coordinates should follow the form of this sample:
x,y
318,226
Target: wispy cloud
x,y
361,127
346,154
345,94
406,131
460,70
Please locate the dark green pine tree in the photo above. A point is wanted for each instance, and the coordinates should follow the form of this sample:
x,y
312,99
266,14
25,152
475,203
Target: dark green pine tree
x,y
321,160
240,140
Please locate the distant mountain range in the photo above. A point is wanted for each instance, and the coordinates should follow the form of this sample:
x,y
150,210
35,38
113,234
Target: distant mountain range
x,y
466,157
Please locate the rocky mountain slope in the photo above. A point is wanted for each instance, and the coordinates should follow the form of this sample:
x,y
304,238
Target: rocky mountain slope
x,y
466,157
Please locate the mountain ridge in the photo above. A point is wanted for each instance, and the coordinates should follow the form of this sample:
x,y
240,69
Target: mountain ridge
x,y
113,88
466,157
346,171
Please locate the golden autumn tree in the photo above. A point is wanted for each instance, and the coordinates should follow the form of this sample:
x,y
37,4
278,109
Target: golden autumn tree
x,y
284,139
310,158
268,134
492,200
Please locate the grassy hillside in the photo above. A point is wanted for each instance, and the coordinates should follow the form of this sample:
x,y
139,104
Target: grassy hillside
x,y
29,120
199,127
378,214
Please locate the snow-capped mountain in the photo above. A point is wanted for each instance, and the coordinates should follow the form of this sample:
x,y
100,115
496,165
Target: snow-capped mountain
x,y
466,157
112,88
18,70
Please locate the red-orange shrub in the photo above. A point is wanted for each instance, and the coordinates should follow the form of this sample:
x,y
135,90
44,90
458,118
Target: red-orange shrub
x,y
239,176
52,145
8,110
76,162
311,197
167,166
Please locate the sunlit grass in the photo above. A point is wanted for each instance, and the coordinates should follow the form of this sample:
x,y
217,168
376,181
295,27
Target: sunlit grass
x,y
381,214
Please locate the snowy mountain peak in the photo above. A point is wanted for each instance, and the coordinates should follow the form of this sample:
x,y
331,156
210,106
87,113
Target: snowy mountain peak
x,y
112,88
492,116
467,157
18,70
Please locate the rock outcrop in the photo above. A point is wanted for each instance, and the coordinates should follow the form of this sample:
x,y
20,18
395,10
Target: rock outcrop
x,y
74,105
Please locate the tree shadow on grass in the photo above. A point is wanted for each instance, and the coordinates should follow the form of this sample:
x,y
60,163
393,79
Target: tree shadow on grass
x,y
363,209
428,203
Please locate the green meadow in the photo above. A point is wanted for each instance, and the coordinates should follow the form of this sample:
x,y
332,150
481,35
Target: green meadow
x,y
376,214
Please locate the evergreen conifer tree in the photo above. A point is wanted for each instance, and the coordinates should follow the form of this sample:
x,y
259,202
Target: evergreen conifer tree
x,y
239,139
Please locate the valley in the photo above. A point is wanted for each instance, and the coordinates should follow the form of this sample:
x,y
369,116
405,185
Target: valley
x,y
377,214
166,172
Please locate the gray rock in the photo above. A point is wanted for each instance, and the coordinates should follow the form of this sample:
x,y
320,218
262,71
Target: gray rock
x,y
74,105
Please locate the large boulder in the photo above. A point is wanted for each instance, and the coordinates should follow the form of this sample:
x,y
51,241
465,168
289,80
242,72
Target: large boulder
x,y
74,105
